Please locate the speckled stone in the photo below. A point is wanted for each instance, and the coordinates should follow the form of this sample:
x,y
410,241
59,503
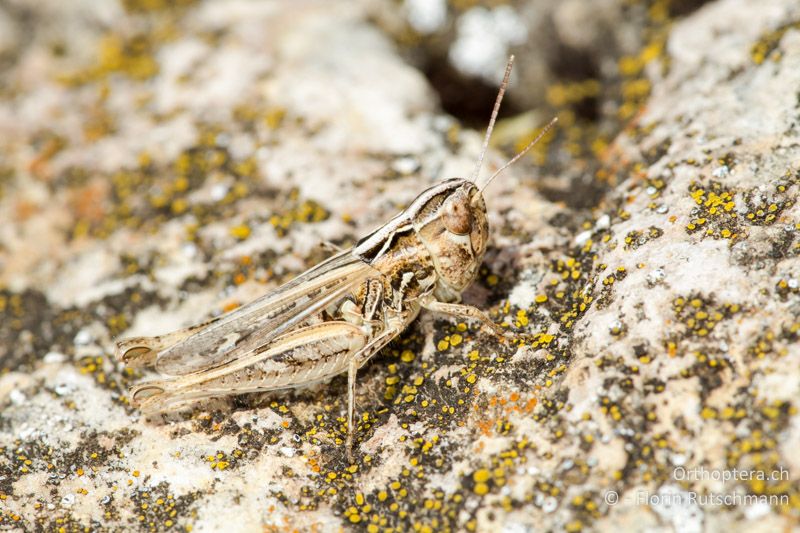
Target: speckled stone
x,y
163,162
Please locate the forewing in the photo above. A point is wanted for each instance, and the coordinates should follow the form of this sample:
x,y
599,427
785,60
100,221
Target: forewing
x,y
258,323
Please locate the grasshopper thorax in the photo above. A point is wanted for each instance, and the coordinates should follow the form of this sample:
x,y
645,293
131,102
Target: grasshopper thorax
x,y
445,229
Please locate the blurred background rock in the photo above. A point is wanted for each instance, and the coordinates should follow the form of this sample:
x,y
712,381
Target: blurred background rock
x,y
161,162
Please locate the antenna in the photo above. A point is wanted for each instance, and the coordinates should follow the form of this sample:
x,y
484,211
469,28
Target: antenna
x,y
513,160
492,120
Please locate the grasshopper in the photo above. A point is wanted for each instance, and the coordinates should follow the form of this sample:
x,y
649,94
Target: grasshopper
x,y
334,317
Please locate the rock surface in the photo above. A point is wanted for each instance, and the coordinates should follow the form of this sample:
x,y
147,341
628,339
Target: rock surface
x,y
163,162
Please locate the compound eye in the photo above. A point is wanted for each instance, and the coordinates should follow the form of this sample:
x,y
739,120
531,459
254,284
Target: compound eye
x,y
457,217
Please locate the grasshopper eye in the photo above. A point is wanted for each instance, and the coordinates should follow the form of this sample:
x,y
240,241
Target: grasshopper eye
x,y
457,217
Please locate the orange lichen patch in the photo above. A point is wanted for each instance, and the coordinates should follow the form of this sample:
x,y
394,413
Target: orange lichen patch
x,y
25,209
672,349
88,202
485,426
614,163
496,409
313,462
230,306
39,165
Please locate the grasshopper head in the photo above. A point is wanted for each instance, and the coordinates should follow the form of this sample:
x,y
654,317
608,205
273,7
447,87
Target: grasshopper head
x,y
454,228
456,236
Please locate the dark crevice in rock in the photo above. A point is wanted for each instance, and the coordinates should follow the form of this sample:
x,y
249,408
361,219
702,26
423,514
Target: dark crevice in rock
x,y
468,99
681,8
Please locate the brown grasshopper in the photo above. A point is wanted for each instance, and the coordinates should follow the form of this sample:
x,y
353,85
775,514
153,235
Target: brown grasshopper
x,y
334,317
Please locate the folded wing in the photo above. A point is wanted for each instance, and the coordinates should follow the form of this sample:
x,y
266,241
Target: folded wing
x,y
251,326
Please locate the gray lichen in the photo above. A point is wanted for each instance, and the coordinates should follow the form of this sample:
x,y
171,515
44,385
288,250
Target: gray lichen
x,y
164,162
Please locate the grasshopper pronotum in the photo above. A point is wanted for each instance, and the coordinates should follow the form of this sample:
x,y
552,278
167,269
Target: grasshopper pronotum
x,y
334,317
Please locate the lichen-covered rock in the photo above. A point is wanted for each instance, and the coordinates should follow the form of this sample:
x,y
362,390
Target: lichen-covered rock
x,y
166,161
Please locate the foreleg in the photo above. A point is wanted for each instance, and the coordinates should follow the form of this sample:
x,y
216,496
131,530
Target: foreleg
x,y
464,311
